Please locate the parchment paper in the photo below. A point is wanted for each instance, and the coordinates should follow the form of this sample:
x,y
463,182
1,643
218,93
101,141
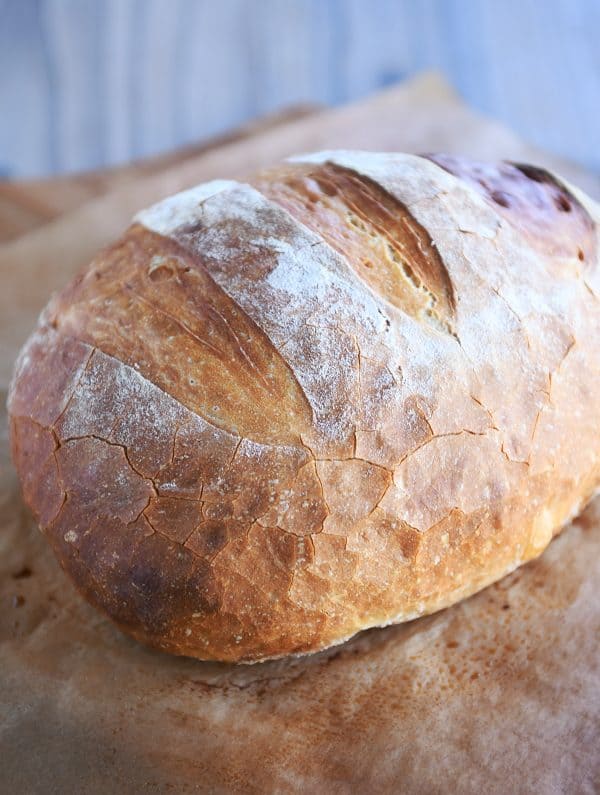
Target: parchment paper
x,y
500,694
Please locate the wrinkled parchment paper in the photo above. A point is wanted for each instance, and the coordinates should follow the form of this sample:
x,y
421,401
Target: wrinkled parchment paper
x,y
499,694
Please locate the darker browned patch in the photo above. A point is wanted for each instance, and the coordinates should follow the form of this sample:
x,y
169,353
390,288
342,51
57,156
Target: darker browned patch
x,y
282,547
533,200
409,541
212,535
145,582
24,573
385,245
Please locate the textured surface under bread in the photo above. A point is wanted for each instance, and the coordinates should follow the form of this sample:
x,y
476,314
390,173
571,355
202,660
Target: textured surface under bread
x,y
455,700
243,443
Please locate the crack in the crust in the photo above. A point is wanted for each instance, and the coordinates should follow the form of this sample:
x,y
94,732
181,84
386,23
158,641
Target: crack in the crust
x,y
410,526
493,425
237,447
54,519
77,384
168,537
496,289
338,460
336,599
470,364
173,446
558,367
380,499
286,571
154,495
497,292
386,319
438,436
193,412
358,368
420,411
211,558
454,510
56,442
112,429
535,423
112,444
546,392
473,369
590,289
142,538
323,498
141,513
308,448
551,375
157,475
149,522
327,508
513,460
151,498
361,460
170,495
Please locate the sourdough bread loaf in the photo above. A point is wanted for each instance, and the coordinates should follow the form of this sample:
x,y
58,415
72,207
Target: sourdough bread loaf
x,y
349,392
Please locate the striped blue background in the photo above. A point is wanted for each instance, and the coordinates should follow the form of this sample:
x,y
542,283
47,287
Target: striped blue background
x,y
87,83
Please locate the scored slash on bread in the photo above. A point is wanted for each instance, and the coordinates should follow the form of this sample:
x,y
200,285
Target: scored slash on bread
x,y
349,392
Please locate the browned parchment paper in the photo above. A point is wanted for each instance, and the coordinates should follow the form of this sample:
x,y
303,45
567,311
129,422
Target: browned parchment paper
x,y
500,694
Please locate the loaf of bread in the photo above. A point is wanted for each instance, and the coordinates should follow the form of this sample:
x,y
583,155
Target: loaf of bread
x,y
346,393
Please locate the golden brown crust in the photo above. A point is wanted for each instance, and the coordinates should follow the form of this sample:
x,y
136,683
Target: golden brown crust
x,y
376,234
242,443
197,345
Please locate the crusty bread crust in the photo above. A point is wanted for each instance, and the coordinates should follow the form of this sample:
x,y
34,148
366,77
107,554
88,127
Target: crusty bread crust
x,y
349,393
